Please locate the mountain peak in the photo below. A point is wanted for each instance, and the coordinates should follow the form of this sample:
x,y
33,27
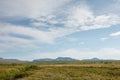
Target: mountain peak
x,y
57,59
64,58
93,59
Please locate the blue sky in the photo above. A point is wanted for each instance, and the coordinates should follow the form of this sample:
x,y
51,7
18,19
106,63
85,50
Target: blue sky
x,y
33,29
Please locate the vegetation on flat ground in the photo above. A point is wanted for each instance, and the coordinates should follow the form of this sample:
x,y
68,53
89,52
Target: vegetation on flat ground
x,y
72,70
15,71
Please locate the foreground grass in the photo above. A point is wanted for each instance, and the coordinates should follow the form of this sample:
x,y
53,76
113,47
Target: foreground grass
x,y
75,73
61,71
15,71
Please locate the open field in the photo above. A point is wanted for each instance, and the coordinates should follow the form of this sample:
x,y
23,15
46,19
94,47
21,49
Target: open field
x,y
73,70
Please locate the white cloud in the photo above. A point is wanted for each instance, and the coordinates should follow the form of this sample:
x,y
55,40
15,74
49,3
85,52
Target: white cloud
x,y
34,33
115,34
79,16
84,18
29,8
44,13
104,38
102,21
44,21
104,53
37,36
112,35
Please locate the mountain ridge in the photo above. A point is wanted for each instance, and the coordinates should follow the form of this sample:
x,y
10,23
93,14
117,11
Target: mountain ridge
x,y
56,59
50,59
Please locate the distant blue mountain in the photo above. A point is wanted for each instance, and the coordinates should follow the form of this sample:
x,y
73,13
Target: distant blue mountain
x,y
49,59
64,59
93,59
57,59
44,59
1,58
11,60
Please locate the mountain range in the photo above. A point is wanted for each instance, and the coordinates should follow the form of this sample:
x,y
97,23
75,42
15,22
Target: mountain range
x,y
49,59
57,59
10,60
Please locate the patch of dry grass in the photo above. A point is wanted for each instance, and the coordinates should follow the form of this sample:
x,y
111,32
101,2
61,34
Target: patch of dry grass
x,y
61,71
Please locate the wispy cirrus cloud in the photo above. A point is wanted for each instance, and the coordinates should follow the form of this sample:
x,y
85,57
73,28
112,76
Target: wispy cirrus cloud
x,y
29,8
84,18
22,36
104,38
111,35
115,34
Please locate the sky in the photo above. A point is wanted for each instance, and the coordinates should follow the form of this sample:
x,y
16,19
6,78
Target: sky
x,y
81,29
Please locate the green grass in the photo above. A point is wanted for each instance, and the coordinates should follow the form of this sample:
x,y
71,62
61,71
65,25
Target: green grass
x,y
72,70
75,73
15,71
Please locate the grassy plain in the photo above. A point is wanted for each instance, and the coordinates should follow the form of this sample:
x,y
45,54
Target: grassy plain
x,y
65,70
